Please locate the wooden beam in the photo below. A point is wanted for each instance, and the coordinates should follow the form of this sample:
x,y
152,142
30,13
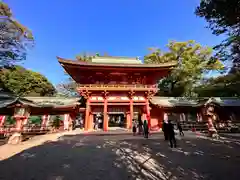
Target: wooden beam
x,y
117,104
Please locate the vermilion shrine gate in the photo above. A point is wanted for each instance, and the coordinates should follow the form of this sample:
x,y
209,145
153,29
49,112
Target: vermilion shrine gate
x,y
116,85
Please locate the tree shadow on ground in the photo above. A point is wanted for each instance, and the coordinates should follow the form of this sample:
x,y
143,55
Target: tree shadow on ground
x,y
119,158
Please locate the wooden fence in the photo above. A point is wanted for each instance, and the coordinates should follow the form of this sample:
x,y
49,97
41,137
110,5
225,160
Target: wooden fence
x,y
29,129
234,127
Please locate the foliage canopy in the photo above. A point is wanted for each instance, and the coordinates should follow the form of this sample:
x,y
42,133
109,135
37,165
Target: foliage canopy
x,y
222,86
194,61
24,82
14,38
223,18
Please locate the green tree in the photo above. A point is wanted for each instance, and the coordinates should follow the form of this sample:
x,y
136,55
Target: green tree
x,y
35,120
14,38
87,57
24,82
57,121
194,61
84,57
223,19
67,89
222,86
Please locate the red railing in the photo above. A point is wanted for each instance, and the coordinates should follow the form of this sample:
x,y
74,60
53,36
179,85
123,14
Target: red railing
x,y
29,129
123,86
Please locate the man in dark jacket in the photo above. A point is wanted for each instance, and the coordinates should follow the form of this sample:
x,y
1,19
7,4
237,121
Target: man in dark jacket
x,y
171,135
165,130
145,129
165,126
180,129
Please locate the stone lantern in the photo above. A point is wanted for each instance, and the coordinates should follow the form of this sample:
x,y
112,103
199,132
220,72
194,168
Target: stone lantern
x,y
21,115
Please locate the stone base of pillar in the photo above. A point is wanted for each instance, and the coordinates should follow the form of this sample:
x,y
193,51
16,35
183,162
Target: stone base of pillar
x,y
16,138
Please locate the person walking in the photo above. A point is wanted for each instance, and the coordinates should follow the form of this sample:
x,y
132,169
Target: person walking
x,y
145,129
96,124
140,126
171,135
134,128
165,130
165,126
180,129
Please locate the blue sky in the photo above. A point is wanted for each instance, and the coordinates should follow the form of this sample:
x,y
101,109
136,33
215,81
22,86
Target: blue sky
x,y
118,27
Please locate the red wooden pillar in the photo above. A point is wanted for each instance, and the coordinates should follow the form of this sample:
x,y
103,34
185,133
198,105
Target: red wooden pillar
x,y
131,93
128,120
131,112
90,121
2,120
105,115
86,124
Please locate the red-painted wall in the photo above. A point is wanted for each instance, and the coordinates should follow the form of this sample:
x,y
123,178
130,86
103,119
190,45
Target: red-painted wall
x,y
156,118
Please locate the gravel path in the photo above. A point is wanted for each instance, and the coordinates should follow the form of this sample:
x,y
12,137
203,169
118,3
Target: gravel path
x,y
120,157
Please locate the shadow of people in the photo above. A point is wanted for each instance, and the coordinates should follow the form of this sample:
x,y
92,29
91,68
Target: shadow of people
x,y
121,157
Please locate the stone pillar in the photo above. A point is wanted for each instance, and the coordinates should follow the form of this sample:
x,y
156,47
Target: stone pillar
x,y
105,114
2,120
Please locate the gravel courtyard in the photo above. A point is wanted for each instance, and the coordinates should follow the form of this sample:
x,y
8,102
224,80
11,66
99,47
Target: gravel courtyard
x,y
120,157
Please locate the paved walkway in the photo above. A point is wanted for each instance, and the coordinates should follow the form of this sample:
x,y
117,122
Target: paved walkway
x,y
231,135
8,150
72,155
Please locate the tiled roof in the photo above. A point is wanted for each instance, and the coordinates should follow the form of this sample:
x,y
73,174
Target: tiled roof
x,y
174,101
222,101
7,100
127,65
115,60
188,102
54,101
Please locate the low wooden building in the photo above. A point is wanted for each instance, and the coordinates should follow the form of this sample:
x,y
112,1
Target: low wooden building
x,y
21,108
185,110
